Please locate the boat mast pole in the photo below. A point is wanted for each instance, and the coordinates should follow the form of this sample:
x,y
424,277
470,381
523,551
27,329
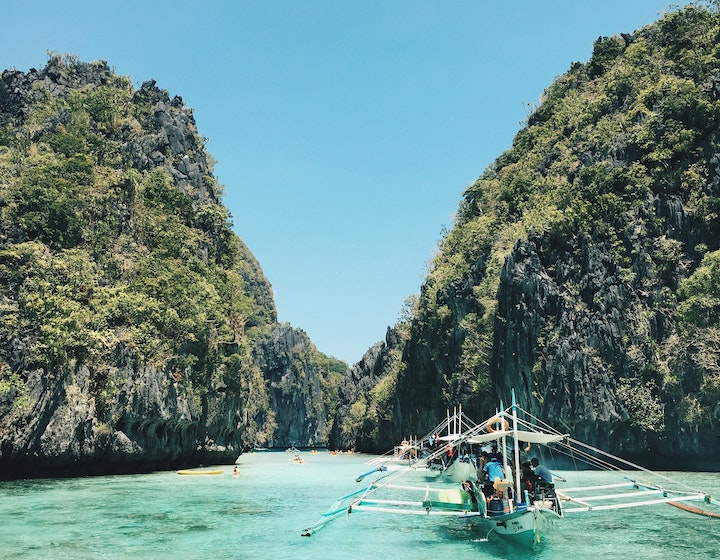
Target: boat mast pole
x,y
516,461
503,440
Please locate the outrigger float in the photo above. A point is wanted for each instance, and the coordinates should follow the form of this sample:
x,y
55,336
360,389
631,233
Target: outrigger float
x,y
520,507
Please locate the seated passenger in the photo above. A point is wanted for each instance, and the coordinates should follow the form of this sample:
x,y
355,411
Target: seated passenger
x,y
541,470
544,485
527,476
492,470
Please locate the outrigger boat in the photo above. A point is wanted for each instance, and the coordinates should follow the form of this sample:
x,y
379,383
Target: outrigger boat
x,y
519,507
442,452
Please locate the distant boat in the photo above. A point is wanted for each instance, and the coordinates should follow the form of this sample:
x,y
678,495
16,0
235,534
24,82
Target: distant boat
x,y
447,456
200,472
523,504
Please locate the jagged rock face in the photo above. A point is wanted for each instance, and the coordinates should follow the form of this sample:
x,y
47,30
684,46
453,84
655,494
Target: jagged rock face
x,y
16,86
295,381
578,334
358,382
171,143
58,427
569,332
155,427
414,408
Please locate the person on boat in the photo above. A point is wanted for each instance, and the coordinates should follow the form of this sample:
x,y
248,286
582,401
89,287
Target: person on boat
x,y
544,484
469,487
482,461
404,446
527,476
541,471
492,471
451,455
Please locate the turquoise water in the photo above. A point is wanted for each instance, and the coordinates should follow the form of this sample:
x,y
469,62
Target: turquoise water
x,y
261,513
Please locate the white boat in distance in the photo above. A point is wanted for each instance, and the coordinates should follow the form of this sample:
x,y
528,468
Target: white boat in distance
x,y
442,452
520,507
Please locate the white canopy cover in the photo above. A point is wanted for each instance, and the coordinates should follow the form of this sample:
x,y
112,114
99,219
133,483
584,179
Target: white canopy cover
x,y
529,437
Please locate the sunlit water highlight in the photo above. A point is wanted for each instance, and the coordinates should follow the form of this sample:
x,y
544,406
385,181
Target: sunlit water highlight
x,y
261,514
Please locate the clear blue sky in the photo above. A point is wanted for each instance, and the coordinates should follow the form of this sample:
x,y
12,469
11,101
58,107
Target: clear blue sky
x,y
345,131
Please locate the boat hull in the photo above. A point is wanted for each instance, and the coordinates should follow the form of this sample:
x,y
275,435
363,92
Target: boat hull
x,y
527,527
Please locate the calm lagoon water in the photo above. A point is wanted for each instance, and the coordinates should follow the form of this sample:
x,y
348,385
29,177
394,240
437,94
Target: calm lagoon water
x,y
261,513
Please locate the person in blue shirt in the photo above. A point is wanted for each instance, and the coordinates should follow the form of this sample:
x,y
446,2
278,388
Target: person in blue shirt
x,y
541,470
493,469
547,479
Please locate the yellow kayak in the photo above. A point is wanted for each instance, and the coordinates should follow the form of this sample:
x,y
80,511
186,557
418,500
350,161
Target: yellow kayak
x,y
218,471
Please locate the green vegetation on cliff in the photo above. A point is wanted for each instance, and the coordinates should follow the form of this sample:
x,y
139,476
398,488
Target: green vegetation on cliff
x,y
97,253
117,258
582,267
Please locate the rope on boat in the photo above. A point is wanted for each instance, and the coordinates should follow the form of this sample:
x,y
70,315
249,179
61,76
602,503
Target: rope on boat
x,y
693,509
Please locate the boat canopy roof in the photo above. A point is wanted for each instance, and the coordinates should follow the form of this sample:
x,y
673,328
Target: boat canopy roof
x,y
451,437
529,437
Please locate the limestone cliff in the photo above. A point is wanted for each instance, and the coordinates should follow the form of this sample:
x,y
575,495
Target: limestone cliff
x,y
583,268
301,387
138,332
